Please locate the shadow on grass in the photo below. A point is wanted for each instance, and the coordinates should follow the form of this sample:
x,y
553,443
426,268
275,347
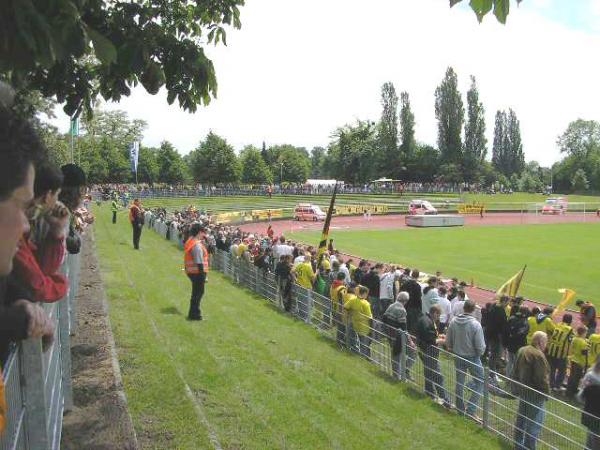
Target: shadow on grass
x,y
170,310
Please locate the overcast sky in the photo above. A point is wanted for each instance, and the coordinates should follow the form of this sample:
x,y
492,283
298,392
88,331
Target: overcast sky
x,y
298,69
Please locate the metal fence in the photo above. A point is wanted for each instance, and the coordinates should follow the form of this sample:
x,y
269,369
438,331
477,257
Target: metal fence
x,y
504,407
38,384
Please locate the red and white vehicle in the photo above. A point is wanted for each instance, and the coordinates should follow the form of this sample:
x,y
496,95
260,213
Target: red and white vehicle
x,y
421,207
555,205
308,211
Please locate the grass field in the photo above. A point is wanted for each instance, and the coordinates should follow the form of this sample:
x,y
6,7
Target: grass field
x,y
396,202
557,255
248,377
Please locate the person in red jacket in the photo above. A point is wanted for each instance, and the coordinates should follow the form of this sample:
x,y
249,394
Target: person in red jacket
x,y
41,251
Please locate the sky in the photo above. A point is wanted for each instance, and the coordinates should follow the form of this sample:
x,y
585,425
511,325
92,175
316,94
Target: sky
x,y
298,69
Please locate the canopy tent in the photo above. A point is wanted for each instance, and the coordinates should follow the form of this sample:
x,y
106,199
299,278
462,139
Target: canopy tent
x,y
316,182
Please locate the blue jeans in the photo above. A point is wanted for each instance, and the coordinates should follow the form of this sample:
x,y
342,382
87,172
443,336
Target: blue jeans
x,y
473,366
530,419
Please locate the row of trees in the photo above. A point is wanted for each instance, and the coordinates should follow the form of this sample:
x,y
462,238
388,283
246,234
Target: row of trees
x,y
357,153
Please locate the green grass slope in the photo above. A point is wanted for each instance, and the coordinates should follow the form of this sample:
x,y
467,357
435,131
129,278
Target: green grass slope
x,y
248,377
557,255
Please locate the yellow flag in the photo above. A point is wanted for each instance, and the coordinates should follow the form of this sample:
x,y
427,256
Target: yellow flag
x,y
325,234
511,287
568,297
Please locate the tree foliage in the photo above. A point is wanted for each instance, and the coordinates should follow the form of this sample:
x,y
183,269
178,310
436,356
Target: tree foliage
x,y
475,147
254,168
75,50
215,161
482,7
408,142
507,153
171,167
389,156
449,112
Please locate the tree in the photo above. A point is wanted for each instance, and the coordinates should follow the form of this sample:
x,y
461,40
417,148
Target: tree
x,y
254,168
422,165
215,161
148,168
75,50
388,131
352,152
482,7
507,153
407,127
580,182
475,148
171,168
449,112
296,163
317,162
581,138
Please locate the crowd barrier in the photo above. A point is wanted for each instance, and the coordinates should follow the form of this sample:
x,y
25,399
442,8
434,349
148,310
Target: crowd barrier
x,y
38,384
498,404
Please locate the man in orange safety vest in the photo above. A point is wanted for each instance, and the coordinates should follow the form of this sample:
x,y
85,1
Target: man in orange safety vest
x,y
196,267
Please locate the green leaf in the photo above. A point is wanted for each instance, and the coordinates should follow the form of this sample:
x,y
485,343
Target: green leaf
x,y
481,8
104,49
501,10
454,2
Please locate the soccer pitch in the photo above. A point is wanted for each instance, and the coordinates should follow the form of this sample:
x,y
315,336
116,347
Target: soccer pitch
x,y
557,255
248,376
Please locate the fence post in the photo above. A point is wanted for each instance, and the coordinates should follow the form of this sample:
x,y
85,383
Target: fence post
x,y
486,397
34,393
308,306
65,352
404,355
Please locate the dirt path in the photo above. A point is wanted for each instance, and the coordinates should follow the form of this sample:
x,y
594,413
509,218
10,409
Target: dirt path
x,y
99,419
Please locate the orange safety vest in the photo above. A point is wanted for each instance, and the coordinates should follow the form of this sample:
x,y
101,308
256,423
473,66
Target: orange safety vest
x,y
191,267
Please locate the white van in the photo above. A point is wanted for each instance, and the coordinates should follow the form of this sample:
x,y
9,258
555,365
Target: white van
x,y
420,207
308,211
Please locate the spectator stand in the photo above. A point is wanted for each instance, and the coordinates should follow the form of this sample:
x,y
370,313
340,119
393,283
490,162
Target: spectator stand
x,y
497,409
38,384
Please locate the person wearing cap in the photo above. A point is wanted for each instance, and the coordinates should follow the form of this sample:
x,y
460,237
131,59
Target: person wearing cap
x,y
136,217
587,313
196,267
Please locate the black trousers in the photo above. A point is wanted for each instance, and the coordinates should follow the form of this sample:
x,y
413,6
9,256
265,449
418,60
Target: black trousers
x,y
198,281
137,233
114,217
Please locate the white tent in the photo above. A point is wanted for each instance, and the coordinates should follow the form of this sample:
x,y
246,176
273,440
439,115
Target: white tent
x,y
322,182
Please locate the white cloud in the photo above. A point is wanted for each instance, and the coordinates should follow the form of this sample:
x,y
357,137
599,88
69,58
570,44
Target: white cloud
x,y
299,69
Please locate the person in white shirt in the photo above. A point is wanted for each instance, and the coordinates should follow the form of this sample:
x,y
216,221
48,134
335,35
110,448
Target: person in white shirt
x,y
458,304
345,271
430,295
386,288
444,303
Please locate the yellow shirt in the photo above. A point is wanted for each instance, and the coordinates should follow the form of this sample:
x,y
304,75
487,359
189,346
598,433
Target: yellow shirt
x,y
578,347
594,352
334,294
558,343
546,325
325,264
304,275
241,249
360,311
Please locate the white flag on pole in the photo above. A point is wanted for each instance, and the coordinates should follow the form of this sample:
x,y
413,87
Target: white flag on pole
x,y
134,153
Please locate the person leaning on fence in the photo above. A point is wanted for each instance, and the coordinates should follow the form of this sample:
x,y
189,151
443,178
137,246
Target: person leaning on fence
x,y
515,335
578,355
428,340
395,320
495,324
336,293
285,279
589,395
465,339
531,376
359,310
20,150
196,268
558,351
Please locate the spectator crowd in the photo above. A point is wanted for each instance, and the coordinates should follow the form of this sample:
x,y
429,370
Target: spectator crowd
x,y
528,352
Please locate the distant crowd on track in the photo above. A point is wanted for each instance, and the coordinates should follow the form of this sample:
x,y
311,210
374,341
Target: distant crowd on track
x,y
371,300
143,190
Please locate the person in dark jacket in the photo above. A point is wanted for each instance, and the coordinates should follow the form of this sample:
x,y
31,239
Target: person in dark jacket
x,y
589,395
515,336
414,305
372,282
428,340
494,327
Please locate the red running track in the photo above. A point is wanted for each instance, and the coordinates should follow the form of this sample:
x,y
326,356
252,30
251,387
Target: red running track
x,y
396,221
